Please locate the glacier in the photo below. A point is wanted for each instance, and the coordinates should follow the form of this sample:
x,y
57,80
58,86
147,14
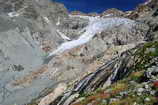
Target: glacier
x,y
96,25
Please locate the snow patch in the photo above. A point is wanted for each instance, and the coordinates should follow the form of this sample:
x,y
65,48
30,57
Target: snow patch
x,y
13,14
46,19
63,35
58,23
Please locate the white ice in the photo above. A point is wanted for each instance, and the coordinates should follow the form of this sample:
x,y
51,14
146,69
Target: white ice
x,y
96,25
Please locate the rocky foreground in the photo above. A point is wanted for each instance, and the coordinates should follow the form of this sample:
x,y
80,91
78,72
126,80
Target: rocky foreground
x,y
51,57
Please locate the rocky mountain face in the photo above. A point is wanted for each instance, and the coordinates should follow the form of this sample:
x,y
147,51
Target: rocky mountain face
x,y
51,57
23,32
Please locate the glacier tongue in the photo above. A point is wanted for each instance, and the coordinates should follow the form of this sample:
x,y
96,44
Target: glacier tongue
x,y
96,25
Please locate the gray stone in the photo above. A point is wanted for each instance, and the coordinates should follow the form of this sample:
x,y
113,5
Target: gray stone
x,y
21,56
147,99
